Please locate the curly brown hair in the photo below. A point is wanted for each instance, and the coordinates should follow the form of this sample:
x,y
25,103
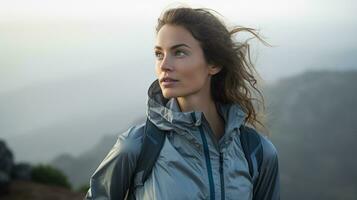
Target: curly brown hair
x,y
236,82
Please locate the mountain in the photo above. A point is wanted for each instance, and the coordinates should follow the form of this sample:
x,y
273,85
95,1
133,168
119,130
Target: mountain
x,y
73,136
41,121
79,168
313,123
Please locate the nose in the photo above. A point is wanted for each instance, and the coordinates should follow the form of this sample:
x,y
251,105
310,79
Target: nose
x,y
166,63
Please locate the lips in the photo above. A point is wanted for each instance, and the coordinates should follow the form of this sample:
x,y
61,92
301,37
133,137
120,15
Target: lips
x,y
168,79
167,82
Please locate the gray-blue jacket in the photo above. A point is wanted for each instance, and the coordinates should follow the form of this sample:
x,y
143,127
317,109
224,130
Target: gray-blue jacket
x,y
183,170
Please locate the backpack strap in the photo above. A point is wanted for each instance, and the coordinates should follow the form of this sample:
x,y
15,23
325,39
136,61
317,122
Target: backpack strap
x,y
253,151
153,141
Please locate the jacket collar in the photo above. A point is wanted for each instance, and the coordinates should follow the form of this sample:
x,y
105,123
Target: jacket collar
x,y
166,113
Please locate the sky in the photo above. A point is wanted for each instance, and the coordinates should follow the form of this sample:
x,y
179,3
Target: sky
x,y
67,64
36,35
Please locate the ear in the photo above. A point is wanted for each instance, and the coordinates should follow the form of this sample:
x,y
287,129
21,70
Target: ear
x,y
214,69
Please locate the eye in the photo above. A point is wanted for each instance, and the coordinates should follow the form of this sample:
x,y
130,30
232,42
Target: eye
x,y
159,55
180,53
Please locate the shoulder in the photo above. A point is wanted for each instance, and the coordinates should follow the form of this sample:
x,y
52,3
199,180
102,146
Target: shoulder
x,y
122,156
268,184
270,153
133,133
118,166
269,149
126,148
130,141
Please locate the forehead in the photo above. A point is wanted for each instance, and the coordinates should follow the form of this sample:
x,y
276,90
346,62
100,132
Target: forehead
x,y
170,35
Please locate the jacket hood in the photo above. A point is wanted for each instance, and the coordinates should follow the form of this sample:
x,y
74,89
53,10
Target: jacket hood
x,y
167,115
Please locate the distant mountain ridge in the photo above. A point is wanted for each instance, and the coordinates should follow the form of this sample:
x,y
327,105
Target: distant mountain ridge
x,y
78,169
43,120
314,125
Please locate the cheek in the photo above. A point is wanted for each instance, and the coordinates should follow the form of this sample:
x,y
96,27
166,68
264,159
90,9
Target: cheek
x,y
194,76
157,70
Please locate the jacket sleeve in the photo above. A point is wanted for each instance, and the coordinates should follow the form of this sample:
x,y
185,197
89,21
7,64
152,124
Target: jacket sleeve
x,y
268,185
112,178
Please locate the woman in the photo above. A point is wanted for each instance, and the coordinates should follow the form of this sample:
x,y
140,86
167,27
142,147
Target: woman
x,y
201,98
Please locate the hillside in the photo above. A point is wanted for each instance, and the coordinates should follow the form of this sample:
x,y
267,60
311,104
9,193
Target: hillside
x,y
41,121
78,169
312,118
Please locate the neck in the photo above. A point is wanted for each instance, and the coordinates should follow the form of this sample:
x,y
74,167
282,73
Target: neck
x,y
195,103
199,101
203,102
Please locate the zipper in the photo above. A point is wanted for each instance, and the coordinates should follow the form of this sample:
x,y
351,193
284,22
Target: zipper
x,y
221,175
221,172
208,164
208,160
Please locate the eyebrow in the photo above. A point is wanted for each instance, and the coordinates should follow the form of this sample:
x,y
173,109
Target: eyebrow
x,y
174,46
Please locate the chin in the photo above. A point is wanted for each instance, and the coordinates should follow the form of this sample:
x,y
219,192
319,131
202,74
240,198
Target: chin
x,y
168,94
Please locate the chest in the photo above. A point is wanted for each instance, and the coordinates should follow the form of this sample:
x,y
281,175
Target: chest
x,y
182,171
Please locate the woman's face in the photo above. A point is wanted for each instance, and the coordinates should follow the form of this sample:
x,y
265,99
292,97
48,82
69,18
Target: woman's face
x,y
180,64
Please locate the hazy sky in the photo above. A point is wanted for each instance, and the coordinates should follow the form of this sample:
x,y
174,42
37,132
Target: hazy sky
x,y
49,40
237,9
